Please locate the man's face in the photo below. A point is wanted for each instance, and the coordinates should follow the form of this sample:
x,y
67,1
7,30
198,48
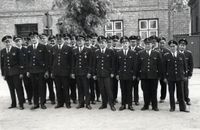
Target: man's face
x,y
173,47
162,43
44,39
133,43
52,42
8,43
88,43
115,42
59,41
125,45
67,40
154,43
102,44
148,46
18,42
80,42
34,39
182,47
94,40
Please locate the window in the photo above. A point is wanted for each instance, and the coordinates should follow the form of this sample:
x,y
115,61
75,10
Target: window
x,y
148,27
24,29
114,28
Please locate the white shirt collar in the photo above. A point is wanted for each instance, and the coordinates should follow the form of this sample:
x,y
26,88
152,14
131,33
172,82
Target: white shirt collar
x,y
61,45
36,44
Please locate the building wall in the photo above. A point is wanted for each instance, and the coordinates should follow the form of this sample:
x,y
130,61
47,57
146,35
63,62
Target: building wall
x,y
32,11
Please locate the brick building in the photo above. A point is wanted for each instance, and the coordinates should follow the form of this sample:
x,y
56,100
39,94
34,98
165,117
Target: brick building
x,y
138,17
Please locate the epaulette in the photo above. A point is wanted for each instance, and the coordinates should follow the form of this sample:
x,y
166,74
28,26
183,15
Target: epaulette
x,y
96,50
189,51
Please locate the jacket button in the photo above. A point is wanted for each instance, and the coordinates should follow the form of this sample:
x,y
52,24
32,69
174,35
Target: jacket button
x,y
148,70
33,64
101,67
176,72
58,63
9,67
124,70
33,56
80,66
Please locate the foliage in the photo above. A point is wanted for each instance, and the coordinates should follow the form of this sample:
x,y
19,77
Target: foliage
x,y
82,16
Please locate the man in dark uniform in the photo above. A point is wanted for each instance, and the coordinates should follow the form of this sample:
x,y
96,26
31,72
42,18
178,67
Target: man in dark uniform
x,y
163,50
73,84
81,70
189,61
23,57
175,72
61,64
134,47
126,72
115,48
10,70
104,69
37,70
149,68
95,92
49,80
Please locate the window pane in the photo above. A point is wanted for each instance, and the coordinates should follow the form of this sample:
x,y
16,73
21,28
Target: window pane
x,y
143,34
154,32
143,24
120,34
153,24
118,25
109,26
108,34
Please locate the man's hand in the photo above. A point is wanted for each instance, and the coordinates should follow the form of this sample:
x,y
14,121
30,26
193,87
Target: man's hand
x,y
165,80
28,74
134,77
4,77
73,76
88,76
95,77
46,75
189,77
52,76
117,77
21,76
112,75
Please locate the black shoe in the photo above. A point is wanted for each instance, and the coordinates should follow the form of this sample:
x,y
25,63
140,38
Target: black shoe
x,y
88,107
93,102
11,107
188,103
68,106
155,109
144,108
113,108
58,106
98,100
74,101
185,111
53,102
102,107
29,103
161,101
115,101
122,108
43,107
177,102
172,110
21,108
131,108
137,103
80,106
34,107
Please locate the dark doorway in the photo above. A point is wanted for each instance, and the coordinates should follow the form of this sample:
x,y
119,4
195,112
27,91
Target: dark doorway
x,y
24,29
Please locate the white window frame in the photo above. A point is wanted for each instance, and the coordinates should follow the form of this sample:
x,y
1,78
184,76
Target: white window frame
x,y
114,30
148,29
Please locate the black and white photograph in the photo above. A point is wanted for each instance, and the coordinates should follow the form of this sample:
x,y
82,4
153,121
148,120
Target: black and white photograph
x,y
100,64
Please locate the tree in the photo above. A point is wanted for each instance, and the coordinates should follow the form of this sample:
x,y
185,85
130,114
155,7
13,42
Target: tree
x,y
82,16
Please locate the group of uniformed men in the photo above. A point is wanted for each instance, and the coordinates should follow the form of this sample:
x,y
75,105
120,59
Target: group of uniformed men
x,y
94,64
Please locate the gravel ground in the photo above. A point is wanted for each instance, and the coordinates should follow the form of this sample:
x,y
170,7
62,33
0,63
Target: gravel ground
x,y
83,119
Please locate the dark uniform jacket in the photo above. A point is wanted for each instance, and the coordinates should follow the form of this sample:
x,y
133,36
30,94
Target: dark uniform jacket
x,y
49,56
175,68
61,60
10,62
126,65
23,59
189,62
104,64
37,59
149,67
82,61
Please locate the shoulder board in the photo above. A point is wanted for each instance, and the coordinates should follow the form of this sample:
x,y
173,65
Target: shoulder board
x,y
189,51
96,50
